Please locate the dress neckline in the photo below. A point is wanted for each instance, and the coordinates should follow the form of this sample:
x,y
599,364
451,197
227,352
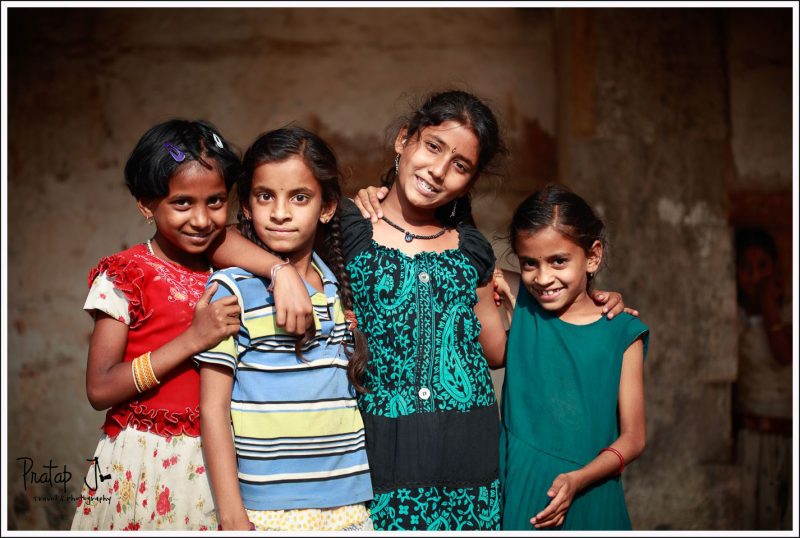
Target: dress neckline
x,y
178,267
402,254
549,315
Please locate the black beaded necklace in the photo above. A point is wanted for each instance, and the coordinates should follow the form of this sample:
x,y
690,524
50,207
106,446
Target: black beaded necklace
x,y
409,236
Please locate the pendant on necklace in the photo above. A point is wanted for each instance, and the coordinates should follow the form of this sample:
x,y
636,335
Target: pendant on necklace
x,y
409,237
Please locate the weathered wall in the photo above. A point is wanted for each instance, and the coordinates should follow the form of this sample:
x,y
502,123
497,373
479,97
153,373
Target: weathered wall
x,y
648,119
637,101
647,145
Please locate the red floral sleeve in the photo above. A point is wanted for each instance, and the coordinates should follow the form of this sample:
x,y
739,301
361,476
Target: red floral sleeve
x,y
128,277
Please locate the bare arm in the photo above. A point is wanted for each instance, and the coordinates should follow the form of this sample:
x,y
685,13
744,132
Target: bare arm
x,y
779,334
630,442
292,303
216,384
109,379
493,334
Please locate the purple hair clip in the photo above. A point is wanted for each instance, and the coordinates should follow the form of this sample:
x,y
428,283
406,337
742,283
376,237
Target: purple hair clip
x,y
174,152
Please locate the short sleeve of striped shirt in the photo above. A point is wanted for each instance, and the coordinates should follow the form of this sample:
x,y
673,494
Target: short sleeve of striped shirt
x,y
226,352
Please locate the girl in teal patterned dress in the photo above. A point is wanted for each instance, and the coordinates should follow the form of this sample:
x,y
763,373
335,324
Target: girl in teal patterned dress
x,y
419,277
573,397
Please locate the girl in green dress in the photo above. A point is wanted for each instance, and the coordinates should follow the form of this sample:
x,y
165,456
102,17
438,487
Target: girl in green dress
x,y
573,396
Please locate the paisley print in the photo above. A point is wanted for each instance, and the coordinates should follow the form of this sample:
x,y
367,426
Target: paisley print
x,y
417,314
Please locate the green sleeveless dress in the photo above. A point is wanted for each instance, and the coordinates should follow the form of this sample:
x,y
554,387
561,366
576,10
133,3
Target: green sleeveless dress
x,y
559,409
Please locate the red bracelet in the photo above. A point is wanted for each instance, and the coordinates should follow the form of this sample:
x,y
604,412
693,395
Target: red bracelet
x,y
621,459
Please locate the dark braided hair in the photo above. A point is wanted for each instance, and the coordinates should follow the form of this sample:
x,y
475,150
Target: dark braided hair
x,y
277,146
469,111
332,253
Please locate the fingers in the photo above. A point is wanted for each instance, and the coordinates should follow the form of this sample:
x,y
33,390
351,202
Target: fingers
x,y
292,304
208,294
280,317
557,493
555,521
225,301
375,201
290,325
366,202
631,311
360,205
553,514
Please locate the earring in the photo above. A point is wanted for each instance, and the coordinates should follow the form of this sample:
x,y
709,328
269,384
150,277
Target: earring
x,y
150,220
397,165
453,212
591,275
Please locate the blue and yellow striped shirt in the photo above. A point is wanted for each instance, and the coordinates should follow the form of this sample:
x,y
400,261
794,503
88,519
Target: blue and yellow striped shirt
x,y
298,434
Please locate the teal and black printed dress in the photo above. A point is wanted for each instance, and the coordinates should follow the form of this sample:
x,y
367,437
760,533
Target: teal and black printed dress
x,y
431,415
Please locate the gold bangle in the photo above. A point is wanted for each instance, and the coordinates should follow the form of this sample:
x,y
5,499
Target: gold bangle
x,y
149,374
135,380
140,374
144,378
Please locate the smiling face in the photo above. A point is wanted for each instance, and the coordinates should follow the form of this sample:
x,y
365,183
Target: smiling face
x,y
554,268
190,216
437,165
286,205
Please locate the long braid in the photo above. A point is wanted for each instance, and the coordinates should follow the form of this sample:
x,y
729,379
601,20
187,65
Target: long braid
x,y
358,354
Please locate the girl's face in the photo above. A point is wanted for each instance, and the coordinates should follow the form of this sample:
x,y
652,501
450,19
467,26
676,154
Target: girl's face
x,y
553,268
436,165
286,205
191,215
753,267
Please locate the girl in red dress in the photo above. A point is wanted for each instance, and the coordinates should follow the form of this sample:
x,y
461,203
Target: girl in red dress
x,y
150,315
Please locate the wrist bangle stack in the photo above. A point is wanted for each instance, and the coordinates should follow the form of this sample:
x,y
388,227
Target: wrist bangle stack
x,y
144,378
619,455
272,273
135,378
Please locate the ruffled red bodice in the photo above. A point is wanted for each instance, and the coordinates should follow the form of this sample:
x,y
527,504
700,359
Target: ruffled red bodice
x,y
161,299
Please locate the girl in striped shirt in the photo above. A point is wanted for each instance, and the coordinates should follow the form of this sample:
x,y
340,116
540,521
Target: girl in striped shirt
x,y
294,458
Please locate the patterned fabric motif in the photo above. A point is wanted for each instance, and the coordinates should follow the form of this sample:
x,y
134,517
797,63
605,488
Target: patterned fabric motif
x,y
353,517
105,297
433,294
156,483
298,433
438,509
417,313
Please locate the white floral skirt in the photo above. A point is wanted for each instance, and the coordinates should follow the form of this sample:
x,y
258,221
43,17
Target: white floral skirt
x,y
146,482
